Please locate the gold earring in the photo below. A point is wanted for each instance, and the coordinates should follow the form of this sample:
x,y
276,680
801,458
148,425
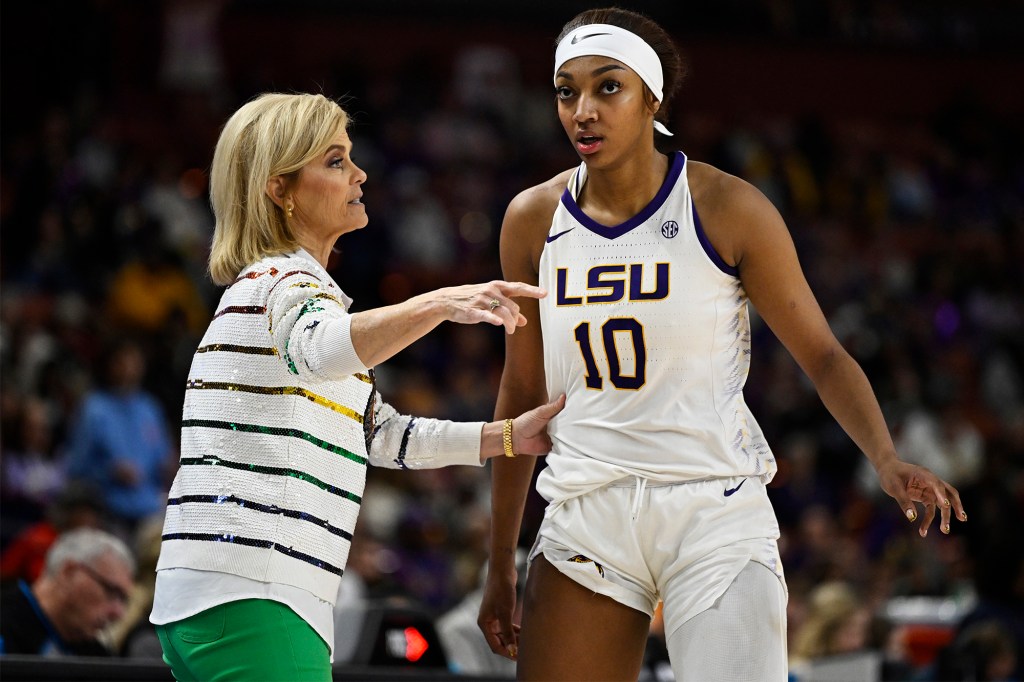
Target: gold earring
x,y
289,210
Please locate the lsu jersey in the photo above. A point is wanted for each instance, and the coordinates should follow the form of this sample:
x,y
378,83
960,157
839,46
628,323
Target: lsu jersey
x,y
647,332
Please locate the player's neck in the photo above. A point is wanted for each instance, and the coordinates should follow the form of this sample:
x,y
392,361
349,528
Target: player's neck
x,y
623,190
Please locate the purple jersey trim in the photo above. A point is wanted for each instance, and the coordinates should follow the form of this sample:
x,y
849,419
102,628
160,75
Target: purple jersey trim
x,y
676,168
708,248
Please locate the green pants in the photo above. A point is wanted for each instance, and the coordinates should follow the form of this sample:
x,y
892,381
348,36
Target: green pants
x,y
251,639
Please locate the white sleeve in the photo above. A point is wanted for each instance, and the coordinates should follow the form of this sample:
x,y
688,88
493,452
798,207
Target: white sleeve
x,y
399,441
311,327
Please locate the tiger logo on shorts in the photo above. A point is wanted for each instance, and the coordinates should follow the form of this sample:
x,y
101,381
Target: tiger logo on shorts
x,y
580,559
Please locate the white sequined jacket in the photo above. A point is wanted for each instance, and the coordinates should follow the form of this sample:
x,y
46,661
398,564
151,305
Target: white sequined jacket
x,y
279,423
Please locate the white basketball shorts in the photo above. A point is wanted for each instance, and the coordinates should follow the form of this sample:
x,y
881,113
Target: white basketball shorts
x,y
681,544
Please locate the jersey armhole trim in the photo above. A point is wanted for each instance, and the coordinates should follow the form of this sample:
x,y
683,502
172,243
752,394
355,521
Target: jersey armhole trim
x,y
707,246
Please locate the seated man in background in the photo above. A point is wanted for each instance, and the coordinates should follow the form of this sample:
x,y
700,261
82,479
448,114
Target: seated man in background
x,y
83,588
78,506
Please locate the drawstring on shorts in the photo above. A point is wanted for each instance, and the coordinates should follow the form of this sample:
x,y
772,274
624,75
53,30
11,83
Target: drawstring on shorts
x,y
638,495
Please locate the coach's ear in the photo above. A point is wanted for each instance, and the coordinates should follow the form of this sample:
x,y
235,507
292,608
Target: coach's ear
x,y
277,190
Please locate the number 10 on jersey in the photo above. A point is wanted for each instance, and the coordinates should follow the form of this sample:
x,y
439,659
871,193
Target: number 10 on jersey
x,y
614,325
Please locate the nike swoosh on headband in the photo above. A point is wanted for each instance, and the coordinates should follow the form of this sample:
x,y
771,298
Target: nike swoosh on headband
x,y
578,38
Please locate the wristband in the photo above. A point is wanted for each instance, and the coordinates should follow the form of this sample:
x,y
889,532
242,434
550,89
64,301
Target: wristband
x,y
506,438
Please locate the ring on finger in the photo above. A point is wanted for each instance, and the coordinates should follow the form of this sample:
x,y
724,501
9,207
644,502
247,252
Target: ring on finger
x,y
494,303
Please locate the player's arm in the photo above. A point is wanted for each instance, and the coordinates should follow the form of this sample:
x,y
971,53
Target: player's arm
x,y
522,384
753,236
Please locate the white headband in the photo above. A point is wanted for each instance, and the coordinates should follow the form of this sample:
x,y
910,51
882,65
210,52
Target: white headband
x,y
606,40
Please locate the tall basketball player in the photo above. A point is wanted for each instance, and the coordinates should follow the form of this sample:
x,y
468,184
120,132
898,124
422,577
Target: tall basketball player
x,y
656,479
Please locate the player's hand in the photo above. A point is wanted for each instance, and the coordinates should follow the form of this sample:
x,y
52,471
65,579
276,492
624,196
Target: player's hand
x,y
910,485
496,609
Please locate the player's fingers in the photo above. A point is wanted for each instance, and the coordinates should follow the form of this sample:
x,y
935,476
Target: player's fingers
x,y
945,510
906,504
509,645
926,519
492,633
943,493
938,488
958,506
949,504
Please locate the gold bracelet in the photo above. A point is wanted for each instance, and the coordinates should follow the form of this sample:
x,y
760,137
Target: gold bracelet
x,y
506,438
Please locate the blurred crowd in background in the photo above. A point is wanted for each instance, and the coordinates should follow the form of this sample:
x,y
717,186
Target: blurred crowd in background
x,y
910,230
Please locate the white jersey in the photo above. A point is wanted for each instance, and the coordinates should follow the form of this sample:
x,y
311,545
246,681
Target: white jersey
x,y
646,331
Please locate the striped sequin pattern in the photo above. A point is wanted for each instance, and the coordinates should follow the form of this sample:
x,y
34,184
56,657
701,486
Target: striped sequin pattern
x,y
273,457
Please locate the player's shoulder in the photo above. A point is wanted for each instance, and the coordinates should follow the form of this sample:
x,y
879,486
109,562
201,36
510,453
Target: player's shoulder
x,y
716,192
540,201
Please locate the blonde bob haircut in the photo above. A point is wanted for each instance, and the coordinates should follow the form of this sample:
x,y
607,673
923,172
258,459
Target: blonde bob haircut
x,y
274,134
